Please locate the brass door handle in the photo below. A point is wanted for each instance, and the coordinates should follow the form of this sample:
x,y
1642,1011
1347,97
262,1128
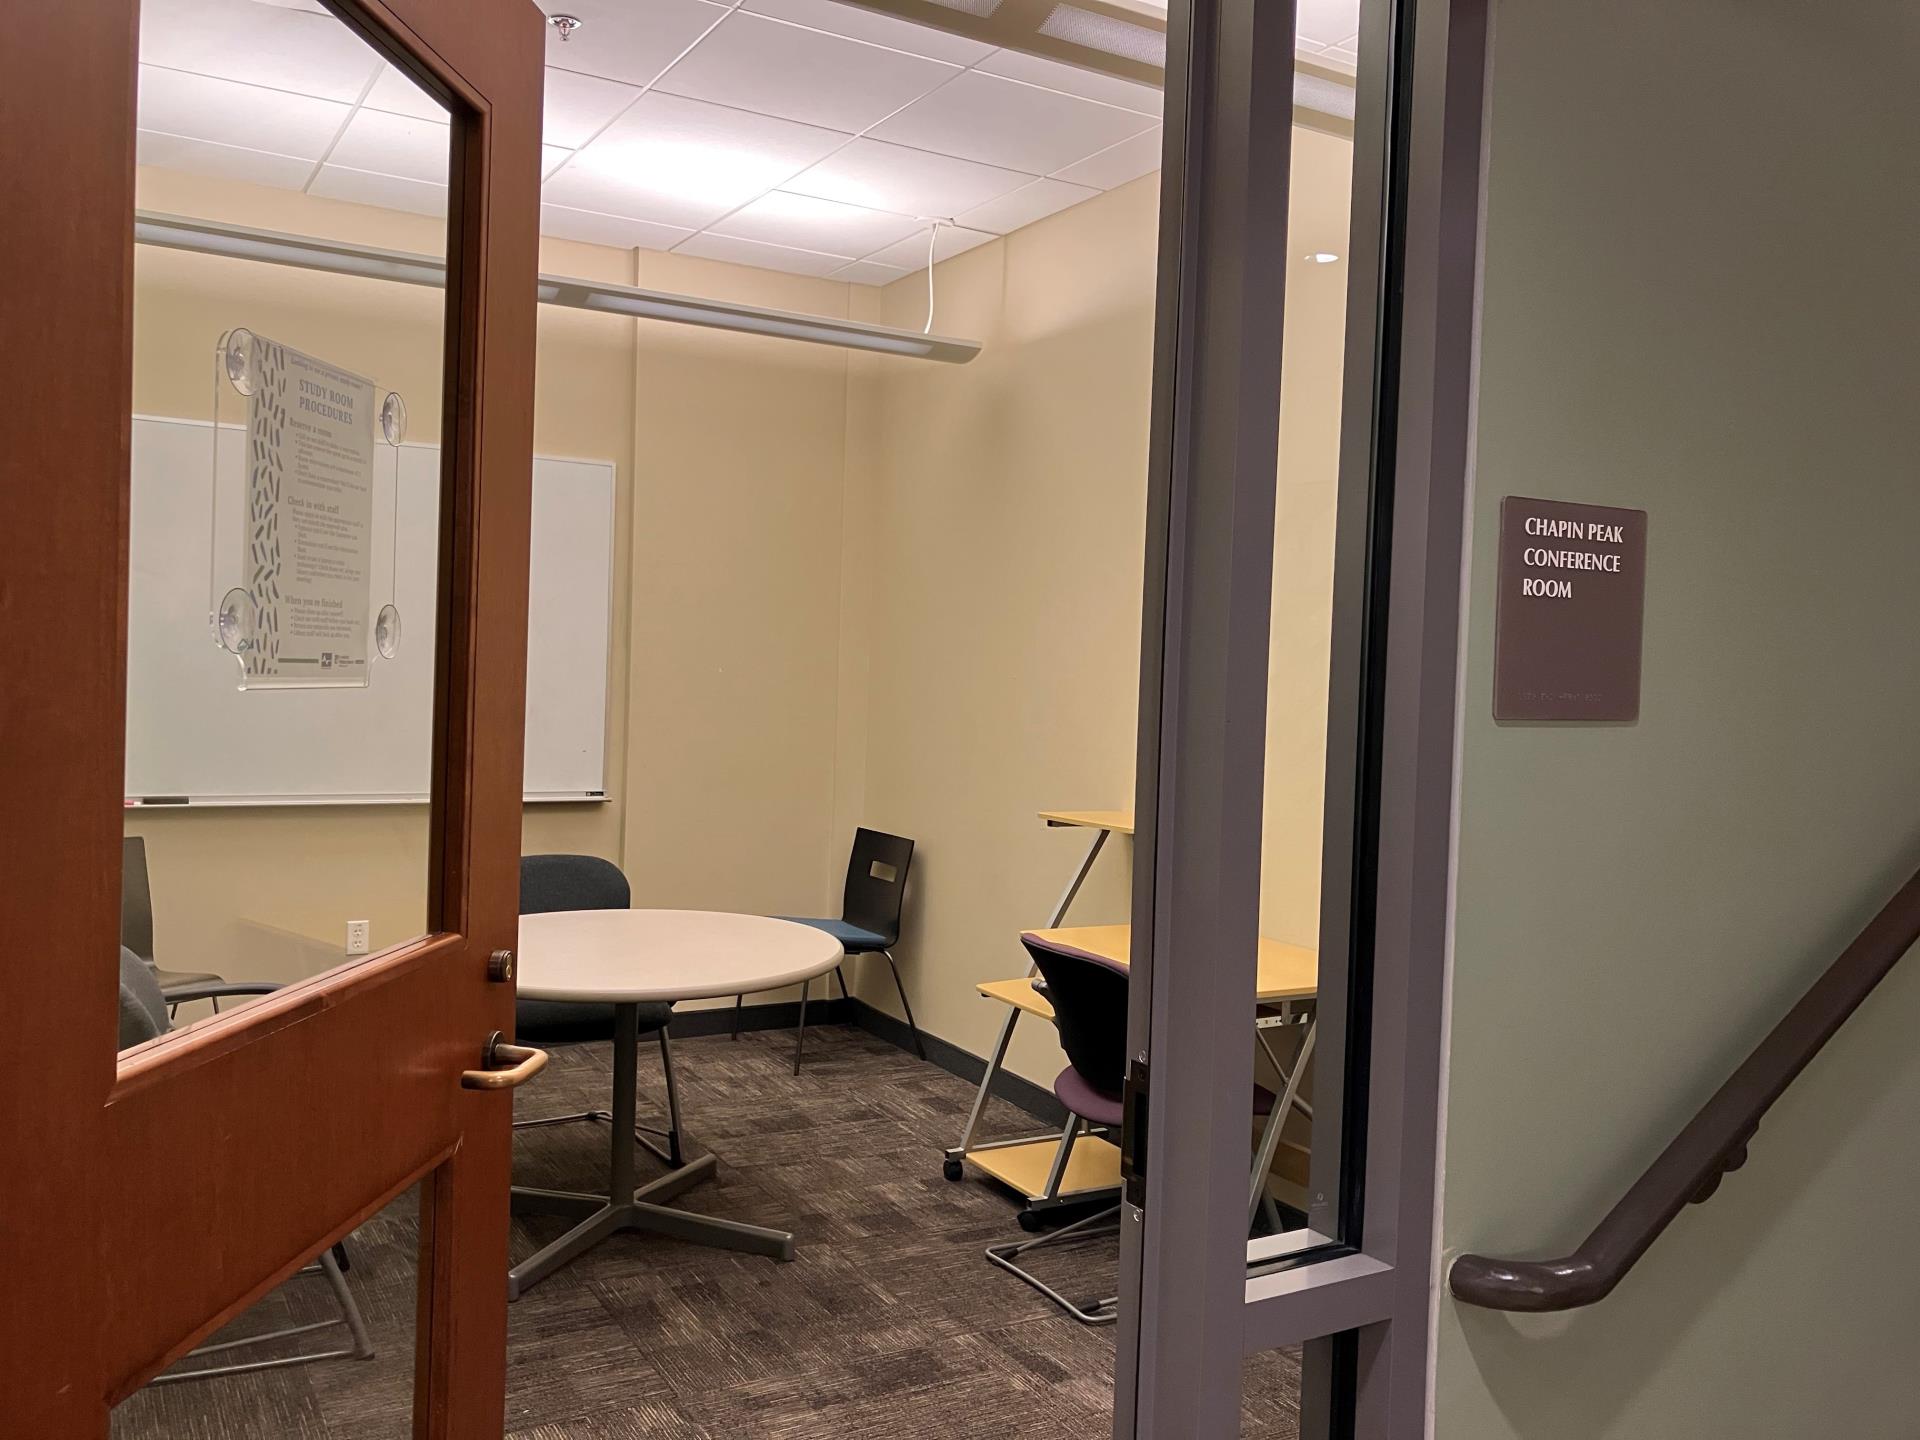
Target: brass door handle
x,y
523,1062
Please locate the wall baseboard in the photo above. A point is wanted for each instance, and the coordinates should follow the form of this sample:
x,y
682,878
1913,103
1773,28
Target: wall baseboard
x,y
1016,1090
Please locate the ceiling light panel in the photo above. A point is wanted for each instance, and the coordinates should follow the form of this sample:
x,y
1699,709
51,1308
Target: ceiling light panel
x,y
229,113
906,182
1072,80
625,40
857,23
400,145
1118,164
806,221
225,162
756,63
911,253
683,162
283,49
1327,22
1002,122
611,230
388,192
578,107
1025,205
763,257
1092,30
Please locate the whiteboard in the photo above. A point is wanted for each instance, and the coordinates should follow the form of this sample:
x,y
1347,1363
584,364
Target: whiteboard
x,y
194,737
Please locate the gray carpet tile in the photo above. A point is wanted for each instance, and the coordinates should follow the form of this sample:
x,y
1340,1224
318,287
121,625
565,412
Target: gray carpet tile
x,y
889,1323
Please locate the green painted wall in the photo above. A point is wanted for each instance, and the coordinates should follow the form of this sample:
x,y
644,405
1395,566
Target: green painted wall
x,y
1702,297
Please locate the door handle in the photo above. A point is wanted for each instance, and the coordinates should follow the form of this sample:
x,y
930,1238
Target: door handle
x,y
522,1062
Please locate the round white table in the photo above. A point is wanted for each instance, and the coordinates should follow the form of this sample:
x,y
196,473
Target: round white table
x,y
626,958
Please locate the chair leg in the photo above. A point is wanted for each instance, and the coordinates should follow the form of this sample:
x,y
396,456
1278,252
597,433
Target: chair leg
x,y
738,1001
840,975
918,1044
800,1042
673,1102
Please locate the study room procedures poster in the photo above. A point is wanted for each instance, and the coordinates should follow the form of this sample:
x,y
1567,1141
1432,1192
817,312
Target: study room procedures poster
x,y
309,534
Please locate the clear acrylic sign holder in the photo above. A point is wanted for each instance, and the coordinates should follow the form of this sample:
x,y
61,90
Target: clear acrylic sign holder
x,y
291,601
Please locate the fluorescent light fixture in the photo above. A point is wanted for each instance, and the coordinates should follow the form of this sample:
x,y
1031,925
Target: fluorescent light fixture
x,y
1323,257
211,237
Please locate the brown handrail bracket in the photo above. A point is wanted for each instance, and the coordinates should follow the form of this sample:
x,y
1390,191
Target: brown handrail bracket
x,y
1713,1144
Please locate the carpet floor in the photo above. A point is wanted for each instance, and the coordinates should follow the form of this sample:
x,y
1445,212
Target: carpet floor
x,y
890,1323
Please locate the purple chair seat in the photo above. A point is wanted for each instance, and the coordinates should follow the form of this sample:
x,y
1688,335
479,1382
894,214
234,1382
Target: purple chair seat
x,y
1079,1096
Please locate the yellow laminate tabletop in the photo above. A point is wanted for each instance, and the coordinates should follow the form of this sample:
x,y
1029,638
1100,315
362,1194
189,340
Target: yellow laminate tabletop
x,y
1118,821
1285,972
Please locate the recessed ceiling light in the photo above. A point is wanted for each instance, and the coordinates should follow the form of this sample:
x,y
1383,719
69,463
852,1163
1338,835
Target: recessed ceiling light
x,y
1323,257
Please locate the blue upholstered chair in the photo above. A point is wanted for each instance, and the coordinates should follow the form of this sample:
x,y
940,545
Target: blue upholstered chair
x,y
869,922
586,882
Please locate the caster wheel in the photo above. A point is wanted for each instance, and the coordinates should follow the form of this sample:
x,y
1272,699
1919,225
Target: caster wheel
x,y
1031,1222
952,1168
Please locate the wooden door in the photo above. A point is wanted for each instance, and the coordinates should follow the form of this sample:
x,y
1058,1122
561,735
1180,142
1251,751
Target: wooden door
x,y
151,1196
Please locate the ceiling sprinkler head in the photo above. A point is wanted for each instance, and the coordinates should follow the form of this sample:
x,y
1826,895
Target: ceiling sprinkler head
x,y
565,24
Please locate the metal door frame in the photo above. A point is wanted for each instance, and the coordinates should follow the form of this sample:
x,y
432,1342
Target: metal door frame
x,y
1190,1310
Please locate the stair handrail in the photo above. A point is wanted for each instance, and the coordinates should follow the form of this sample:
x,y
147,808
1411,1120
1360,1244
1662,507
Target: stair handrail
x,y
1713,1144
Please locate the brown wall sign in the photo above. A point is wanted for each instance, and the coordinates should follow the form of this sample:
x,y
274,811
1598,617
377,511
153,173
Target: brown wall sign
x,y
1573,581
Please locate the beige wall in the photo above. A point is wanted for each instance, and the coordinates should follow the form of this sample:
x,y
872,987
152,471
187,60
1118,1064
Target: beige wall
x,y
725,604
1699,300
853,590
995,533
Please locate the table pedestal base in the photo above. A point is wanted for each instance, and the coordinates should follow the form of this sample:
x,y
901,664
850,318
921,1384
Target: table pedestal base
x,y
627,1208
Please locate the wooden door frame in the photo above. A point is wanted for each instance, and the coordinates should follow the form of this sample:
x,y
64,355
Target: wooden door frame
x,y
116,1177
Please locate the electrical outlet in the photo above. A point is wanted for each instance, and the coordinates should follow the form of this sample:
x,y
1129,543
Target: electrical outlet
x,y
357,937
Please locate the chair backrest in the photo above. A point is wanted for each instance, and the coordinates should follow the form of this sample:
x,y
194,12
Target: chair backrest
x,y
877,882
1089,998
571,882
136,898
143,1009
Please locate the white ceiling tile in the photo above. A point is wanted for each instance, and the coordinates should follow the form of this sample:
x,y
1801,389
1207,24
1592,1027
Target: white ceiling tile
x,y
1025,205
799,74
625,40
906,182
579,106
388,192
911,253
809,223
226,162
297,50
1328,21
766,257
1340,57
228,113
858,23
396,93
1128,160
1002,122
1088,84
400,145
552,157
684,162
865,272
596,229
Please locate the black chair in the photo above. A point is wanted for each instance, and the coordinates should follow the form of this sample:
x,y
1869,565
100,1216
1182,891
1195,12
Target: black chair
x,y
869,922
146,1014
1089,998
136,921
586,882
